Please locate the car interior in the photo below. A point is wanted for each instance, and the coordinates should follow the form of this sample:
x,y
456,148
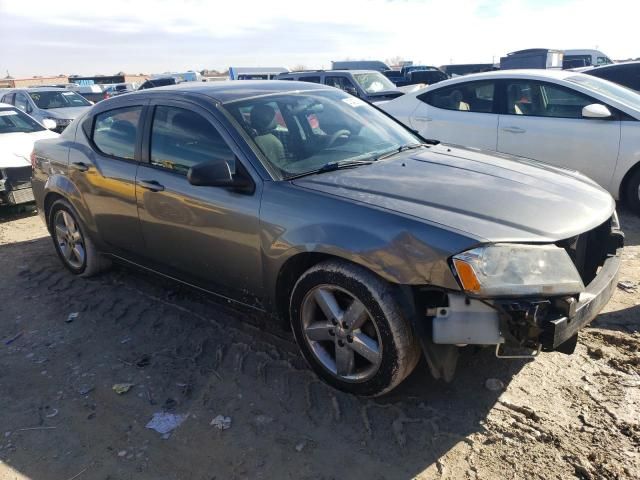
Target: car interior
x,y
524,98
303,133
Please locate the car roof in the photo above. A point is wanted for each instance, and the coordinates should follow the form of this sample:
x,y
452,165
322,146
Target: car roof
x,y
232,90
316,72
582,51
531,73
614,65
40,89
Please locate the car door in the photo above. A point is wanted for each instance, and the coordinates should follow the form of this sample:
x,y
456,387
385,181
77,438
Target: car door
x,y
543,121
208,236
102,165
462,114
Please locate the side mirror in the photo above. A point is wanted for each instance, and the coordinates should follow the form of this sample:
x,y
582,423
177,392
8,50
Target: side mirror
x,y
596,110
29,109
351,90
218,174
49,124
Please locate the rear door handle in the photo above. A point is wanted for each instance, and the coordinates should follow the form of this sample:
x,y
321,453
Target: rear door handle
x,y
152,185
423,119
80,166
513,130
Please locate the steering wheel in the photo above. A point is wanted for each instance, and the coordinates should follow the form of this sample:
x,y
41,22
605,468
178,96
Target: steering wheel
x,y
336,136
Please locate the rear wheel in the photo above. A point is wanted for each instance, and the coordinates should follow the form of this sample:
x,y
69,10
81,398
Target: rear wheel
x,y
351,329
74,247
632,192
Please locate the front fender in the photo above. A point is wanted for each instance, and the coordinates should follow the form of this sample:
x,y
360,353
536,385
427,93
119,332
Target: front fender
x,y
400,249
398,257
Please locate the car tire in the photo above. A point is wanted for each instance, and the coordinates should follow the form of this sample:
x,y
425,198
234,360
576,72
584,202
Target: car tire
x,y
632,192
352,329
74,247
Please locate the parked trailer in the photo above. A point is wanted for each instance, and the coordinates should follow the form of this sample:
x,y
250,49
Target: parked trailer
x,y
255,73
532,58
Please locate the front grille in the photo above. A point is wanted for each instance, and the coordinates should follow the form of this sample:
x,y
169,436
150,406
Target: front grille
x,y
24,195
589,250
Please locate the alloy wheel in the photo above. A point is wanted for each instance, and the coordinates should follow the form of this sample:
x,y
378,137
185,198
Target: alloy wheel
x,y
341,332
69,239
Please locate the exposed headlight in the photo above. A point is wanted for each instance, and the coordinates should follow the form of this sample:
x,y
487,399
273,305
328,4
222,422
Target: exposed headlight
x,y
514,270
61,122
615,222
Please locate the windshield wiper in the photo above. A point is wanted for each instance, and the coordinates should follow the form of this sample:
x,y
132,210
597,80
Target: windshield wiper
x,y
402,148
332,166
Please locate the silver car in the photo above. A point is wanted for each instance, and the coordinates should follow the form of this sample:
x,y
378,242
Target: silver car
x,y
58,105
304,202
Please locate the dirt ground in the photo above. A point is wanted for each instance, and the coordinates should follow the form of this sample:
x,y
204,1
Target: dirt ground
x,y
556,417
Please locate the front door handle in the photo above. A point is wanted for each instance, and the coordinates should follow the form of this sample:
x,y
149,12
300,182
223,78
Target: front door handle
x,y
513,130
423,119
80,166
152,185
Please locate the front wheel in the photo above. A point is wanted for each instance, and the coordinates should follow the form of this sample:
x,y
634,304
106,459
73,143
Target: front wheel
x,y
632,192
351,329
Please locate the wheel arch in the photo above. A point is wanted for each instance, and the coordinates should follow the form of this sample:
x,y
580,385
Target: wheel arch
x,y
61,187
622,193
289,274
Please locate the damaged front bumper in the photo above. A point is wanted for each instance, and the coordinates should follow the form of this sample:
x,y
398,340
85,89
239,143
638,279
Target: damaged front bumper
x,y
15,186
547,324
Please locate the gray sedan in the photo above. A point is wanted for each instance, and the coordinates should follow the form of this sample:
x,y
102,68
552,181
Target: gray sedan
x,y
301,201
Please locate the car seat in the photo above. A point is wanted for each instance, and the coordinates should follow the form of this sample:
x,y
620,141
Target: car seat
x,y
263,122
456,101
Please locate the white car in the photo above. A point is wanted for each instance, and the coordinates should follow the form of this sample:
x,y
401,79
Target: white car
x,y
563,118
18,132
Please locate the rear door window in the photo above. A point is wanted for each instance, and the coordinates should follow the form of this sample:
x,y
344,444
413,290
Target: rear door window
x,y
115,132
465,97
181,138
310,79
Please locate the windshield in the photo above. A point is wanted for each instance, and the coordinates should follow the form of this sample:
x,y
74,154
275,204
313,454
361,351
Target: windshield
x,y
612,90
48,100
302,132
13,120
373,82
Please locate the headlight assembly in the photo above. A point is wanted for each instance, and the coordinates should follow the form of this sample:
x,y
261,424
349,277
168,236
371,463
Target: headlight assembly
x,y
508,270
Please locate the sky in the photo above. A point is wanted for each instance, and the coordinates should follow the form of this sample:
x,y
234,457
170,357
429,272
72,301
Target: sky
x,y
138,36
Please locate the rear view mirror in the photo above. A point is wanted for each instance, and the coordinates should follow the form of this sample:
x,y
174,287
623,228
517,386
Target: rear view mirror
x,y
49,124
218,174
596,110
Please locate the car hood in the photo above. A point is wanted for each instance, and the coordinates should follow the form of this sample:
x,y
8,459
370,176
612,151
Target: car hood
x,y
492,197
384,95
66,113
15,148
